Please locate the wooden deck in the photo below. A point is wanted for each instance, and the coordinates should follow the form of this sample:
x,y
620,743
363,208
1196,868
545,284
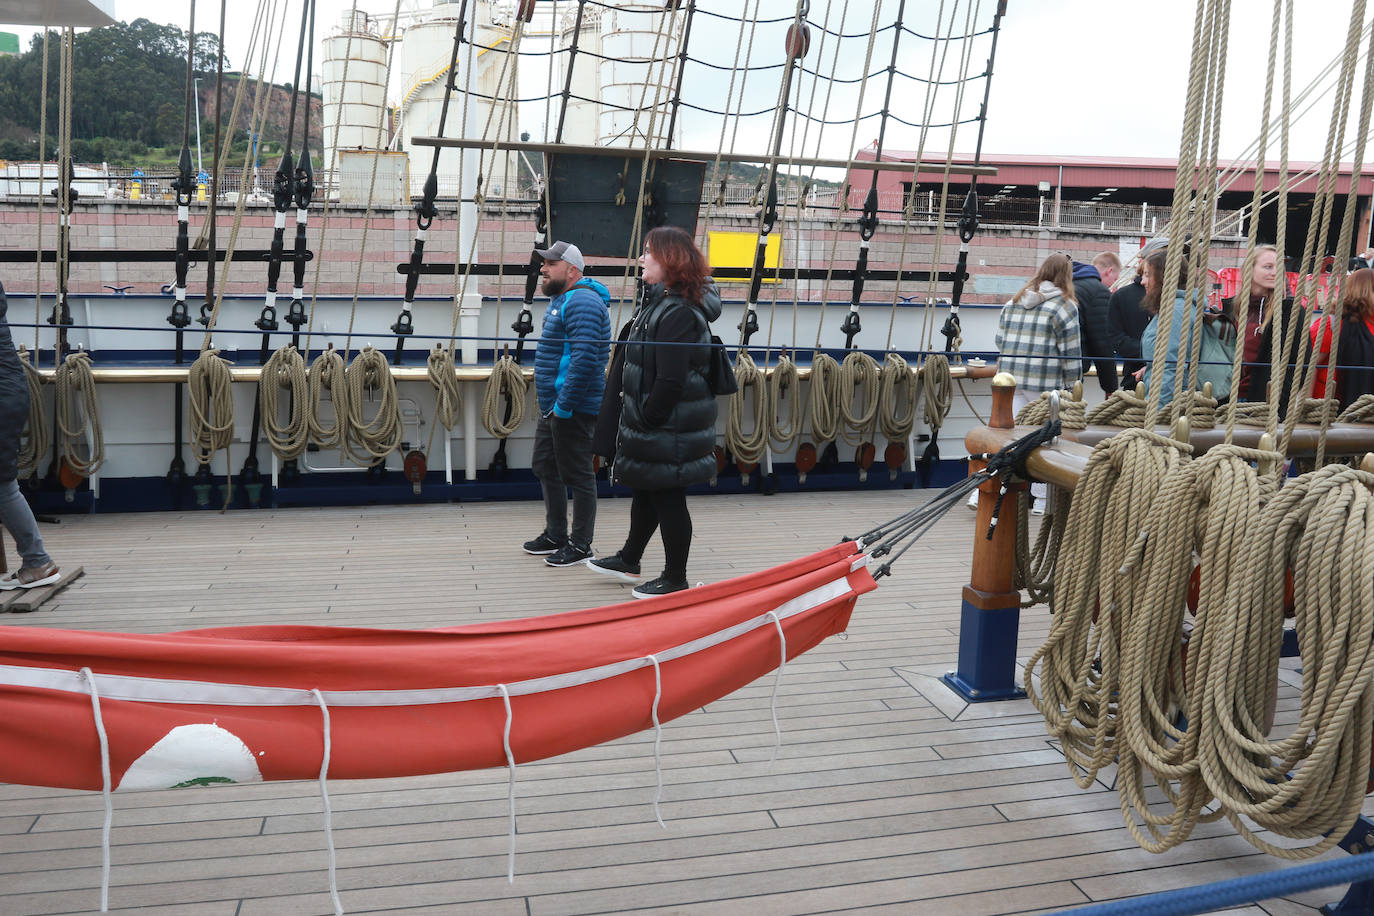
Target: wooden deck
x,y
888,795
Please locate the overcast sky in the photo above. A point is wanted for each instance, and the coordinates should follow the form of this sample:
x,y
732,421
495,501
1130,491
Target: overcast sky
x,y
1072,77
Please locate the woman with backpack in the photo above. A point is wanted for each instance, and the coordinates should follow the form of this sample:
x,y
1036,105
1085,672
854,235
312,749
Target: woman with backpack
x,y
665,436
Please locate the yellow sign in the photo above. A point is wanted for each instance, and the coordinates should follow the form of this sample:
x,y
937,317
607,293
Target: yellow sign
x,y
736,249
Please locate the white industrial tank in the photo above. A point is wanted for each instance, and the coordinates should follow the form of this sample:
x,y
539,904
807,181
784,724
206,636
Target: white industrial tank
x,y
639,44
581,121
353,75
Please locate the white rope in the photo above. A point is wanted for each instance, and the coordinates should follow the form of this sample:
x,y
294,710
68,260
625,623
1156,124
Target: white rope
x,y
89,677
658,739
510,792
777,679
328,810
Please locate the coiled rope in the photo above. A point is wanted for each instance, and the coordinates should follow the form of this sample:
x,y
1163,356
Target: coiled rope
x,y
77,414
897,399
745,443
443,376
784,403
937,384
1124,408
211,404
1072,413
371,440
33,446
327,372
858,395
285,371
507,380
822,401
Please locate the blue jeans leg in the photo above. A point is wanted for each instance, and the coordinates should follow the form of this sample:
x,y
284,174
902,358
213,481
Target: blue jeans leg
x,y
17,518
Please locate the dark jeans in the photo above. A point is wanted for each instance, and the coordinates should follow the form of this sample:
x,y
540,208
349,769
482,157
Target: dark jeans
x,y
562,462
665,510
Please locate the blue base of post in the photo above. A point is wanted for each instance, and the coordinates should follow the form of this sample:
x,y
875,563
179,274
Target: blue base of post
x,y
987,654
1359,899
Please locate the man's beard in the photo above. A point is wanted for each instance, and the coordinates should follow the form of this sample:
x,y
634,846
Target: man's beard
x,y
553,287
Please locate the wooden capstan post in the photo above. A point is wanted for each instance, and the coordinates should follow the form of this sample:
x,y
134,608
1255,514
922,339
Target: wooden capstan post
x,y
992,605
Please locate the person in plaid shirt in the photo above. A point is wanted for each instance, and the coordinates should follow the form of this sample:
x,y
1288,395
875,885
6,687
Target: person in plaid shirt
x,y
1038,340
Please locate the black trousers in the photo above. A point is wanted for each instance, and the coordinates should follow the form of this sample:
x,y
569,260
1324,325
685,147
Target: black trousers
x,y
563,461
666,511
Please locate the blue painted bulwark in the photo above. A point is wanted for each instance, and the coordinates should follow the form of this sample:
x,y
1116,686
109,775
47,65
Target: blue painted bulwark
x,y
987,655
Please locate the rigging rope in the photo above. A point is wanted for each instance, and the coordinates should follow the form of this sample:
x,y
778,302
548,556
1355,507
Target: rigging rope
x,y
371,440
77,415
34,444
285,371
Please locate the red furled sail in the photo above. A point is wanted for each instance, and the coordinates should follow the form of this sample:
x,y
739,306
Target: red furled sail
x,y
245,704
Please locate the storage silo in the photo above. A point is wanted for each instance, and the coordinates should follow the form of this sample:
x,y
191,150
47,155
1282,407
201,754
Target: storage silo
x,y
581,121
639,42
353,77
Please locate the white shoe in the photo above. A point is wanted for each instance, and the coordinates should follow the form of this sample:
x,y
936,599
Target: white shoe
x,y
1038,508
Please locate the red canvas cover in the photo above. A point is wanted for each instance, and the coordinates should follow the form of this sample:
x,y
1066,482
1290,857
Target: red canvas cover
x,y
190,706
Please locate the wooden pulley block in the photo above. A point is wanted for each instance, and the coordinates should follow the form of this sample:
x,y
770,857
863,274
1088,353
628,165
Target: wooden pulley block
x,y
68,476
893,456
415,468
864,459
798,40
805,461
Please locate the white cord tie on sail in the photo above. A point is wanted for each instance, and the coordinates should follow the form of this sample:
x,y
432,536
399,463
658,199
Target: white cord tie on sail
x,y
510,794
89,677
328,810
658,739
777,679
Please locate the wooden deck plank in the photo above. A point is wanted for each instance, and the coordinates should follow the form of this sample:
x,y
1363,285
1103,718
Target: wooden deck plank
x,y
878,801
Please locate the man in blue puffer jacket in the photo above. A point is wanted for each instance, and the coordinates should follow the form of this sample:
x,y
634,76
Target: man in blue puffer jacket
x,y
569,378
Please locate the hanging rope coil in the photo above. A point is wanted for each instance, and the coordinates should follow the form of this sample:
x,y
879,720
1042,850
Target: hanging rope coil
x,y
1125,408
897,399
858,395
33,446
285,371
823,397
372,440
443,376
327,373
211,402
1312,782
1034,571
785,403
748,445
1073,677
506,381
938,386
77,415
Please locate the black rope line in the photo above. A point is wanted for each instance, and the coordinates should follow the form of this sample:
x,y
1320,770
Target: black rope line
x,y
953,82
704,12
973,120
910,31
811,23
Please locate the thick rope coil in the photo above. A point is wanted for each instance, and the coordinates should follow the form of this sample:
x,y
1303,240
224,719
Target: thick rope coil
x,y
375,439
858,395
211,404
785,403
1124,408
1210,505
506,380
1034,570
1072,678
898,394
938,390
33,446
1311,783
327,373
1361,410
1200,409
77,412
443,375
822,399
747,445
285,371
1072,414
1246,413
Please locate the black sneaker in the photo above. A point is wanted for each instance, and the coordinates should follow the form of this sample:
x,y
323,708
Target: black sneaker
x,y
655,587
569,555
542,546
616,567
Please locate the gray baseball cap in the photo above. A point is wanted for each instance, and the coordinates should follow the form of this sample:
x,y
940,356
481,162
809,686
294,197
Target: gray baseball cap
x,y
563,251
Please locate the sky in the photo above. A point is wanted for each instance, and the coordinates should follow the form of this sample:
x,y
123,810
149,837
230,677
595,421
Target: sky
x,y
1071,77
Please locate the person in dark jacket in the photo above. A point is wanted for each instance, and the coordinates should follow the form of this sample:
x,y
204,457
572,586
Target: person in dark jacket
x,y
1090,288
36,567
569,379
1355,351
666,433
1126,314
1258,320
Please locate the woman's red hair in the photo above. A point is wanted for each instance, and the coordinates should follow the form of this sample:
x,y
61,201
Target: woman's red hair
x,y
684,266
